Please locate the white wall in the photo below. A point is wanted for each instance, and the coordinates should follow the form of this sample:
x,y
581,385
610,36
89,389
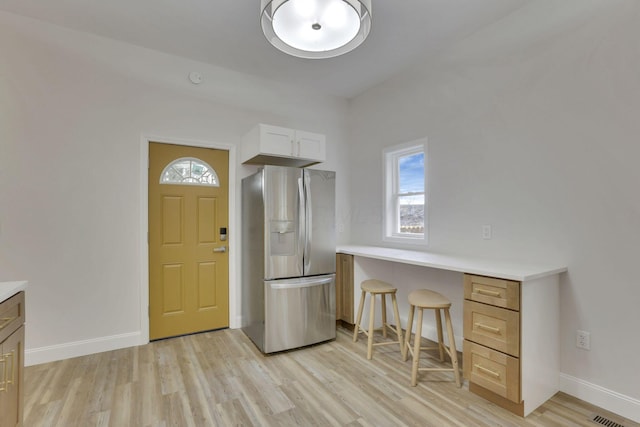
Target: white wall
x,y
536,133
74,109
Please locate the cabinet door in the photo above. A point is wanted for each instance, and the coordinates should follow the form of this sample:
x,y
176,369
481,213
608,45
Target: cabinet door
x,y
5,416
275,140
344,288
310,146
12,379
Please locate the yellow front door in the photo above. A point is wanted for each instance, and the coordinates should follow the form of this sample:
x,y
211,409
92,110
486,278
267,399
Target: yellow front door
x,y
188,260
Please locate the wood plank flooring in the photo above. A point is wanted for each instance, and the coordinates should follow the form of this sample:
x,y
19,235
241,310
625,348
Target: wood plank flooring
x,y
220,379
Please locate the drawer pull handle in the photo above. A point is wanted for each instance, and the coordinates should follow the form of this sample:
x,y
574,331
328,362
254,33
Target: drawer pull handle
x,y
3,383
487,371
488,292
487,328
5,321
12,370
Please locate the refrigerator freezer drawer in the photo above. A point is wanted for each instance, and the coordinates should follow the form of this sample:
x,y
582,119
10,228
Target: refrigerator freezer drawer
x,y
299,312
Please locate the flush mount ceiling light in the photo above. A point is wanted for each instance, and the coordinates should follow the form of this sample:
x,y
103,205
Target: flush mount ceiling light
x,y
316,29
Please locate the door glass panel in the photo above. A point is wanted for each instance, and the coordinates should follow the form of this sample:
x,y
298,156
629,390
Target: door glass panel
x,y
189,171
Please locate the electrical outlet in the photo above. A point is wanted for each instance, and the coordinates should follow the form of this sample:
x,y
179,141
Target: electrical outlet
x,y
583,340
486,232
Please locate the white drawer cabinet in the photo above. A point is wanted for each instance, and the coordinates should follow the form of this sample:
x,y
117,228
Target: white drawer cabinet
x,y
275,145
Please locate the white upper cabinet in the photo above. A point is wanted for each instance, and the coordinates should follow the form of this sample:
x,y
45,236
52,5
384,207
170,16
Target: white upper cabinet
x,y
310,145
274,145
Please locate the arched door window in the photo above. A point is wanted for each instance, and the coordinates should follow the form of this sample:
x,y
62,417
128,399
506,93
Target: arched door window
x,y
189,171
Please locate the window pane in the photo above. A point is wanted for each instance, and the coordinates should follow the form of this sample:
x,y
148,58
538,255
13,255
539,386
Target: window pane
x,y
189,171
171,175
411,213
405,215
411,173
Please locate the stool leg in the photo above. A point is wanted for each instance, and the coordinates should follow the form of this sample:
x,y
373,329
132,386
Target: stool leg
x,y
356,328
452,346
407,338
416,349
440,339
396,313
371,317
383,297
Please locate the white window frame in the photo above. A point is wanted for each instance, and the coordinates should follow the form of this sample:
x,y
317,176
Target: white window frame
x,y
391,156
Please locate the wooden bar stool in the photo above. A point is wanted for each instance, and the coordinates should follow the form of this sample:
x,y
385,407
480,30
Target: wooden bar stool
x,y
426,299
378,287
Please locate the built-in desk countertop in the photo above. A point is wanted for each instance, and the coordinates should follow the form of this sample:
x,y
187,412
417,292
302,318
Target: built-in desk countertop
x,y
483,267
520,377
9,289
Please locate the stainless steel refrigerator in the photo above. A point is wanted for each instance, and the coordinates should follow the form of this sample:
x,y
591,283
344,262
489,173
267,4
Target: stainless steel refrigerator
x,y
288,257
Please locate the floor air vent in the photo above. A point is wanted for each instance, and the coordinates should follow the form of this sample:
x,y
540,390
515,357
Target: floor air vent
x,y
605,421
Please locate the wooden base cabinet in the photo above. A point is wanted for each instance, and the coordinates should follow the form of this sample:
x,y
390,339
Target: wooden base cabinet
x,y
11,360
344,288
492,335
511,340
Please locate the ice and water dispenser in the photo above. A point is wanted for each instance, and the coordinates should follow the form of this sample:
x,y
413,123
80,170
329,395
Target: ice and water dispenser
x,y
283,237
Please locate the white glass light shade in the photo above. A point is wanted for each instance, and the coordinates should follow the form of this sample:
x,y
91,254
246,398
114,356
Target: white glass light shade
x,y
316,29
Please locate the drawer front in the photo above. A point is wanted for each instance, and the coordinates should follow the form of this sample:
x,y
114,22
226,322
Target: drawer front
x,y
489,290
494,327
492,370
11,315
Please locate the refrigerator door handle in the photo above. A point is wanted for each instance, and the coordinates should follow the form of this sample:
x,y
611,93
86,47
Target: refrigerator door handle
x,y
302,243
300,284
308,222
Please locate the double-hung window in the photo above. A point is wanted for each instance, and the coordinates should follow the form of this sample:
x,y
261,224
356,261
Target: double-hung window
x,y
405,195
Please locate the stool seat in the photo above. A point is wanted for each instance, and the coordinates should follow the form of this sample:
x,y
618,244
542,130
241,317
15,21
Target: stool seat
x,y
426,298
422,299
377,287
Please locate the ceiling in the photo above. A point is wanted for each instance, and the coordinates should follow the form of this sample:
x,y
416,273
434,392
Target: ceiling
x,y
227,33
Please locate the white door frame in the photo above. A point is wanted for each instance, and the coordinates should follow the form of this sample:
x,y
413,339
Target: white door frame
x,y
234,232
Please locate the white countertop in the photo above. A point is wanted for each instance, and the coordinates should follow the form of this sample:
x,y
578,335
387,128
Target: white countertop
x,y
494,268
9,289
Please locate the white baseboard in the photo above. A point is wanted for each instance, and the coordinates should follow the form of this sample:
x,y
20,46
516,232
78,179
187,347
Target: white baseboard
x,y
36,356
610,400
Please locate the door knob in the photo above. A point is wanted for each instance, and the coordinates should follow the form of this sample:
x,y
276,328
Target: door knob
x,y
220,249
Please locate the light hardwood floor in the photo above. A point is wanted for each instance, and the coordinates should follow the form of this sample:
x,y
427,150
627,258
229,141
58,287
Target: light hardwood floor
x,y
220,379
